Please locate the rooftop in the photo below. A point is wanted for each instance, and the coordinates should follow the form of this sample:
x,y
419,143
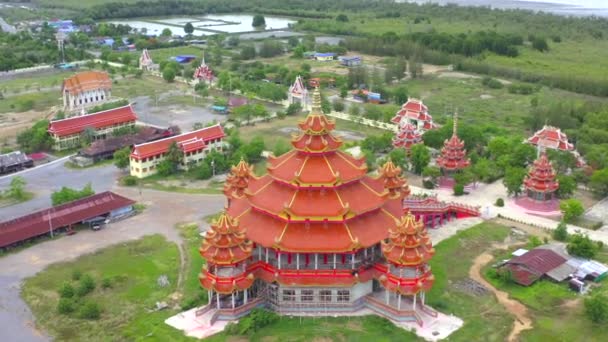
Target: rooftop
x,y
87,80
97,120
190,141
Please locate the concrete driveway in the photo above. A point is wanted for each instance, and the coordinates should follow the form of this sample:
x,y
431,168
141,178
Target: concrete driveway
x,y
163,211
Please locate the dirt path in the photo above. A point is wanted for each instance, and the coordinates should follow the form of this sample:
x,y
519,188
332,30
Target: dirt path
x,y
522,319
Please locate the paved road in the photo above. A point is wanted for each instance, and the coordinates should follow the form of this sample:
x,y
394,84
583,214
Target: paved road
x,y
46,179
16,321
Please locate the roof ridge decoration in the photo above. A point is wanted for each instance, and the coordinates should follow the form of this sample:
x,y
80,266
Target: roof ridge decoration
x,y
408,243
225,243
390,174
238,180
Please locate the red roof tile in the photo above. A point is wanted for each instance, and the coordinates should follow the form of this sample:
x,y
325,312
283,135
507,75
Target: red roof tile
x,y
36,224
188,142
530,266
97,120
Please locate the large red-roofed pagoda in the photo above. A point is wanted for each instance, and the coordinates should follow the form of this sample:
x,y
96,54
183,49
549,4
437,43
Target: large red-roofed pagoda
x,y
406,137
316,234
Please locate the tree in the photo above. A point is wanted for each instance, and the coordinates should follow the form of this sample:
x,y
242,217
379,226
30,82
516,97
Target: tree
x,y
165,168
400,95
596,308
580,245
599,182
567,186
248,52
175,156
540,44
258,21
121,158
514,177
343,92
399,157
571,209
188,28
342,18
419,157
166,32
293,41
169,75
293,109
16,189
66,194
338,105
561,232
325,105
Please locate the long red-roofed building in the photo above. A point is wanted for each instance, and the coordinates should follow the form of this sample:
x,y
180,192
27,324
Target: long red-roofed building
x,y
195,145
67,132
49,220
85,89
316,233
416,113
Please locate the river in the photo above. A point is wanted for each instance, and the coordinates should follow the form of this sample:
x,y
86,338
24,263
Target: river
x,y
561,7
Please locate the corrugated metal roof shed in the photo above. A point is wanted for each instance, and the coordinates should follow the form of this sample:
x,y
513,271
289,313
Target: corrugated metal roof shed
x,y
529,267
41,222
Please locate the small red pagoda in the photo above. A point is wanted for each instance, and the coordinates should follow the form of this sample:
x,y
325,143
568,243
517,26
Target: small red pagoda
x,y
540,183
407,137
203,72
416,113
316,234
298,93
453,155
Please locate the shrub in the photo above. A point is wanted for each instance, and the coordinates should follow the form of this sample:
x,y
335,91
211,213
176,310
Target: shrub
x,y
257,319
428,184
65,306
458,189
129,180
499,202
561,232
89,310
596,308
66,290
534,242
491,83
106,283
581,245
86,286
76,274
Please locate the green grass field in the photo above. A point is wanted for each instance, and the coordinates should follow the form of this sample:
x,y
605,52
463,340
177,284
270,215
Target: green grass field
x,y
33,82
39,101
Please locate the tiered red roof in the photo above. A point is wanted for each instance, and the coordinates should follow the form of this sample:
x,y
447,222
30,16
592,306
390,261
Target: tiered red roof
x,y
407,137
551,137
393,182
225,244
238,180
453,155
188,142
87,80
414,110
317,198
408,245
541,176
203,72
99,120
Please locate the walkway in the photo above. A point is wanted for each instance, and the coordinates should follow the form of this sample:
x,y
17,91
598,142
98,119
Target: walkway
x,y
522,320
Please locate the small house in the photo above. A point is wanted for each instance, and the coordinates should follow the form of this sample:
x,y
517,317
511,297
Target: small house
x,y
324,57
350,61
533,265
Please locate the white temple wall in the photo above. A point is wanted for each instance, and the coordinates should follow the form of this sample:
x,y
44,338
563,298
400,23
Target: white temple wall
x,y
361,290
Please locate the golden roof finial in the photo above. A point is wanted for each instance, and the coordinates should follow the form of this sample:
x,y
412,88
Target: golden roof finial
x,y
316,101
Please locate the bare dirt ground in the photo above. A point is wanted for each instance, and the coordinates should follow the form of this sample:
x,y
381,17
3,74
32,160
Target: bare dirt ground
x,y
12,123
522,319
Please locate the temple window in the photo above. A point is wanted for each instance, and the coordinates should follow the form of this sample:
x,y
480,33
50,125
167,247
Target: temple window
x,y
343,296
289,295
307,295
325,295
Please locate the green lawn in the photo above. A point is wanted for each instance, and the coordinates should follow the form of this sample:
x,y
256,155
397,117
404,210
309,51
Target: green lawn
x,y
33,82
39,101
133,269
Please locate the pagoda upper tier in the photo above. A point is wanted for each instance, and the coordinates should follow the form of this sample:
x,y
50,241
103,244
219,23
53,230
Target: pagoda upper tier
x,y
225,243
317,198
552,138
238,180
407,136
453,155
416,113
541,176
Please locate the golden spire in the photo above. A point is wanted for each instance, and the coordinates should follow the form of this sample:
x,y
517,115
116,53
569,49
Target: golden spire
x,y
316,102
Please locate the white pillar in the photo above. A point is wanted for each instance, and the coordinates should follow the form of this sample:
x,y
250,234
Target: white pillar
x,y
387,296
232,294
399,302
259,253
245,294
423,297
365,252
316,261
353,258
334,261
209,296
217,295
414,302
266,255
297,261
279,260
